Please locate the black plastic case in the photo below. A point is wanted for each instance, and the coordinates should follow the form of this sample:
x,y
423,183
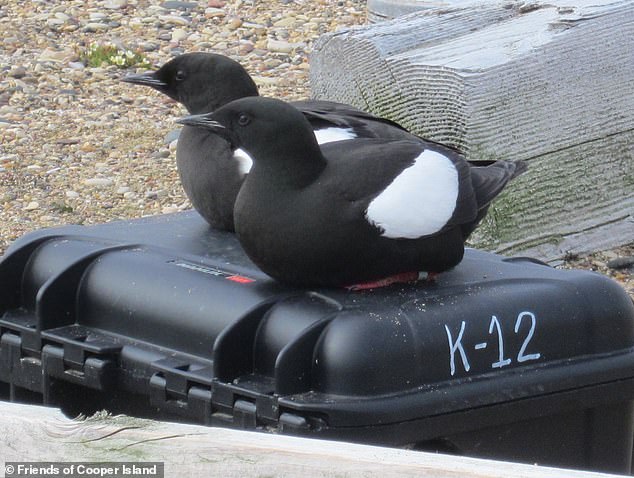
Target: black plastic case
x,y
164,317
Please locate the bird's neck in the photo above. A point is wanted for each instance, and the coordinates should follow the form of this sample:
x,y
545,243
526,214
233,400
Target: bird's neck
x,y
291,168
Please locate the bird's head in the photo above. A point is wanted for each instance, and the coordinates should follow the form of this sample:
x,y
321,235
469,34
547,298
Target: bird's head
x,y
201,81
271,131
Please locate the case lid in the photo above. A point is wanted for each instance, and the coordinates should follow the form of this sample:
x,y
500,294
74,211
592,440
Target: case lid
x,y
168,308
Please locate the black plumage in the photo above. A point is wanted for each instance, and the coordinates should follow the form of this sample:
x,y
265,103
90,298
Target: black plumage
x,y
352,211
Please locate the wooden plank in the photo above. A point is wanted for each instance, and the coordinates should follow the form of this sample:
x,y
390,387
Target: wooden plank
x,y
568,202
379,10
33,433
545,82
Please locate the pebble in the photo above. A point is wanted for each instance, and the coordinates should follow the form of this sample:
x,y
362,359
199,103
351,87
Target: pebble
x,y
265,80
98,182
87,147
272,63
179,5
97,16
173,20
621,262
49,54
161,154
172,136
281,46
68,141
178,34
257,27
17,72
213,12
72,194
246,47
94,27
285,22
234,23
33,205
149,46
54,22
170,209
159,193
115,4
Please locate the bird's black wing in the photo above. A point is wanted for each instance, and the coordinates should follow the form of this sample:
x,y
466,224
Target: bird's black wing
x,y
325,114
365,167
361,171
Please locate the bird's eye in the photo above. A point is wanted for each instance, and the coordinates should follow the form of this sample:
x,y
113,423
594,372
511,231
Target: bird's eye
x,y
243,119
180,75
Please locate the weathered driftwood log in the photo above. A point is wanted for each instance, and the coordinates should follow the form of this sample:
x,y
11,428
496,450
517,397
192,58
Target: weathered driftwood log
x,y
32,433
545,82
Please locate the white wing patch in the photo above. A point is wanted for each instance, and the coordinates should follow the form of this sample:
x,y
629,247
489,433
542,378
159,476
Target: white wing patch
x,y
419,201
330,135
244,161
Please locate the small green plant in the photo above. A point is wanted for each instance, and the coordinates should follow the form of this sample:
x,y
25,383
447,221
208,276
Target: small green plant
x,y
61,207
98,54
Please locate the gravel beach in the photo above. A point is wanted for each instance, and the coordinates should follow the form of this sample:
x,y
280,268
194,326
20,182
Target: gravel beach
x,y
77,146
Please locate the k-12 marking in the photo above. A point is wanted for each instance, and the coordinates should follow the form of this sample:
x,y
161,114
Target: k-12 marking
x,y
456,347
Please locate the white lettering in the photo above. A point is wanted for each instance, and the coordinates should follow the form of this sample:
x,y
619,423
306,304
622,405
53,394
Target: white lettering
x,y
521,357
457,346
502,362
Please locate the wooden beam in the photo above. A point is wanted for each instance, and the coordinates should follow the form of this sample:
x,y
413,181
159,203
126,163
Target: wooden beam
x,y
34,433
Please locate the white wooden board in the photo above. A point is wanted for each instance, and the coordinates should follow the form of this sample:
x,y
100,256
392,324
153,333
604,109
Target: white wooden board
x,y
32,433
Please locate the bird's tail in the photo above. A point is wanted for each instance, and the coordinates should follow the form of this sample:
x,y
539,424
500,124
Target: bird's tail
x,y
488,182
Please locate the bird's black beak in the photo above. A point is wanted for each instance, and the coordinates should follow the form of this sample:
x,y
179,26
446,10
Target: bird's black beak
x,y
146,79
207,121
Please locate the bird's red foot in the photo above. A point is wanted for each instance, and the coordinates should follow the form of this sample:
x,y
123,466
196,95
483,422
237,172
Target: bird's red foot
x,y
403,277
